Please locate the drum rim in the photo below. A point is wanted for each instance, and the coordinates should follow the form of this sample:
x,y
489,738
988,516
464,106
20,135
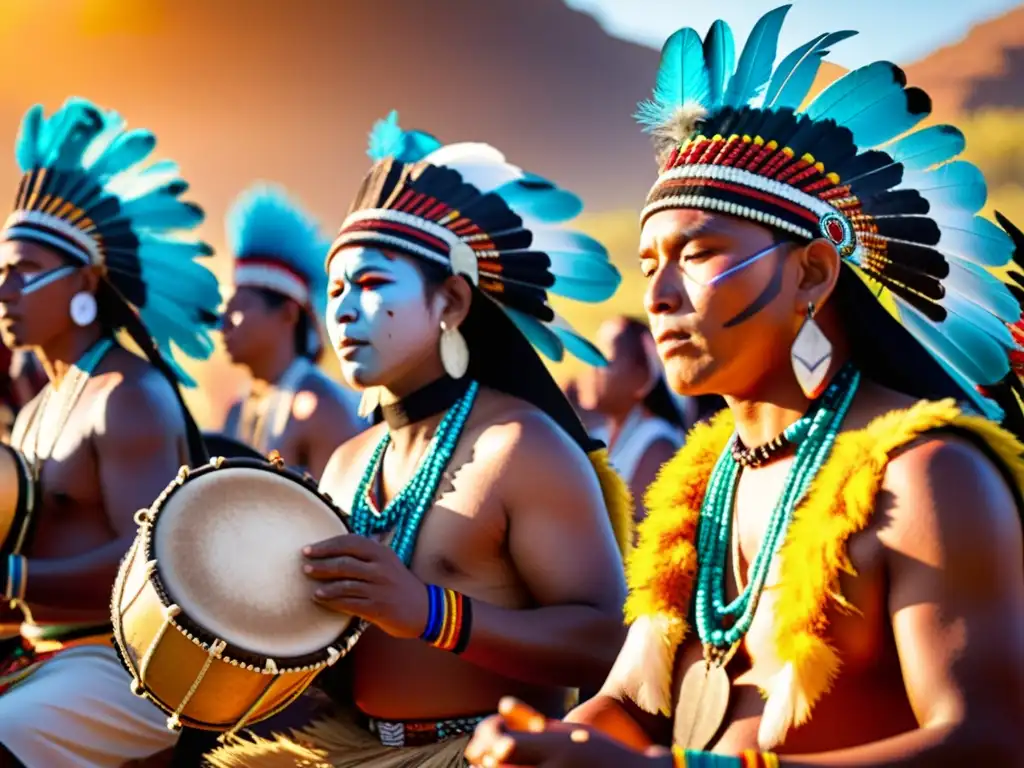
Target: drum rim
x,y
256,455
234,654
15,537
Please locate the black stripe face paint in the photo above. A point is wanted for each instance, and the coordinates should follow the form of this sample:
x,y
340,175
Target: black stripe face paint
x,y
766,297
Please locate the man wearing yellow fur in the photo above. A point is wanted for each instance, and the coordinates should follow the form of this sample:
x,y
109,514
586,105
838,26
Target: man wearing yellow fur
x,y
831,571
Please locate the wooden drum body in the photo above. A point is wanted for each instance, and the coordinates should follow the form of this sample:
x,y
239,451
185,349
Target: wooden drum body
x,y
213,616
17,499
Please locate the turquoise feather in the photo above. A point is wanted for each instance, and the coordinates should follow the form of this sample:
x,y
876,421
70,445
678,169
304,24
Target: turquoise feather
x,y
550,205
578,346
387,139
755,65
125,151
978,285
794,77
877,117
719,60
956,185
937,339
26,150
682,79
850,87
538,334
928,147
973,239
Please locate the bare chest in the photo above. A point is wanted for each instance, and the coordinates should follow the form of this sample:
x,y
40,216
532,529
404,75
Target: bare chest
x,y
461,538
69,517
856,628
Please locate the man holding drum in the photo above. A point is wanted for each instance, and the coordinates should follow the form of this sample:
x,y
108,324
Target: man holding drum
x,y
500,568
272,328
91,249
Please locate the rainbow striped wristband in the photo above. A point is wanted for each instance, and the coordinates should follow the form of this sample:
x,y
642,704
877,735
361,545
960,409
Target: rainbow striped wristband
x,y
750,758
449,619
17,578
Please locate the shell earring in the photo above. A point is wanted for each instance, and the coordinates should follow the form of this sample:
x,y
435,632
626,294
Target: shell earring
x,y
811,356
454,352
83,309
368,402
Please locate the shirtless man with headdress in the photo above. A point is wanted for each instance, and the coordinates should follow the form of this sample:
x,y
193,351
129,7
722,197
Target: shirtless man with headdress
x,y
95,245
831,571
272,328
486,546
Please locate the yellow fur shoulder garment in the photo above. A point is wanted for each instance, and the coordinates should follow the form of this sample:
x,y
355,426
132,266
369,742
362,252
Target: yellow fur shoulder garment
x,y
661,570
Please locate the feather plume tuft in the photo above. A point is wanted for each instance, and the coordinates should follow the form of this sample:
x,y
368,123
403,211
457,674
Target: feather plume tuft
x,y
679,127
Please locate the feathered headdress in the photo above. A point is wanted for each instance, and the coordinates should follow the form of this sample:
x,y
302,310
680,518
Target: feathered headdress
x,y
278,246
462,206
87,192
899,207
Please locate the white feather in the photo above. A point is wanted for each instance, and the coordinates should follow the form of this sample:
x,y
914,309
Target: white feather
x,y
779,711
643,670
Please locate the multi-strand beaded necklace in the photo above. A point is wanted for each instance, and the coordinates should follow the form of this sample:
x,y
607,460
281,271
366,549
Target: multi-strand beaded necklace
x,y
406,510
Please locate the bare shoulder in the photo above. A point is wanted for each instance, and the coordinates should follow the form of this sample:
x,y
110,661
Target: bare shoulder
x,y
520,440
321,397
947,493
352,451
134,397
872,401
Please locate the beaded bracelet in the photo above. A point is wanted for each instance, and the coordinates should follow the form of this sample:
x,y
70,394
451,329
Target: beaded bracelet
x,y
17,578
750,758
449,619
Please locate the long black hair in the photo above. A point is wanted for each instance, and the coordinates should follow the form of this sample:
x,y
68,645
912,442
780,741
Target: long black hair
x,y
501,358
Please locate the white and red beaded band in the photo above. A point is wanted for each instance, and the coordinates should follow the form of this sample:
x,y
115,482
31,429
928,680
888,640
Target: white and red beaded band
x,y
831,223
264,274
38,224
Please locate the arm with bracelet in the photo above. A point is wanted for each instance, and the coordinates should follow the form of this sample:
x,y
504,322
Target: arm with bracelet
x,y
562,547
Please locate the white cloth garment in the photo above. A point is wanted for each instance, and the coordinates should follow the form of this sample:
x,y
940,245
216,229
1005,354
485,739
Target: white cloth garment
x,y
77,711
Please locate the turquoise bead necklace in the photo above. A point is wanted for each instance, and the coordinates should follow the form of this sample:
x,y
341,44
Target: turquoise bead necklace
x,y
722,626
406,510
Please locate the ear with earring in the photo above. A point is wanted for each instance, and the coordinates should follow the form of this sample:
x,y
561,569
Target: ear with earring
x,y
454,351
811,356
83,309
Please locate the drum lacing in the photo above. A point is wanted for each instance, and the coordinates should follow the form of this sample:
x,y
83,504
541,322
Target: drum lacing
x,y
271,669
214,652
169,611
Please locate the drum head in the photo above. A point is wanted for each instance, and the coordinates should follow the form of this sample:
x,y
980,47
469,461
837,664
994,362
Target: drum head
x,y
228,545
228,447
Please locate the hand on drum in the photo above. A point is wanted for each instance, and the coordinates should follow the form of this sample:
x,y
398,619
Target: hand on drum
x,y
519,735
364,578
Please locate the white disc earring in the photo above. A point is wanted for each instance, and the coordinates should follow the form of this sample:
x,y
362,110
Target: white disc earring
x,y
454,352
83,309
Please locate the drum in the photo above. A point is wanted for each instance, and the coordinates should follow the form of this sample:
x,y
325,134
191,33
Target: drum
x,y
17,499
222,445
213,616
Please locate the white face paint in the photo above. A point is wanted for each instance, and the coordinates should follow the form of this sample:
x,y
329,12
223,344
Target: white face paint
x,y
380,322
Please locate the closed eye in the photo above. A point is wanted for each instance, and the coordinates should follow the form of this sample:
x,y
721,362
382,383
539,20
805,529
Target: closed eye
x,y
369,282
